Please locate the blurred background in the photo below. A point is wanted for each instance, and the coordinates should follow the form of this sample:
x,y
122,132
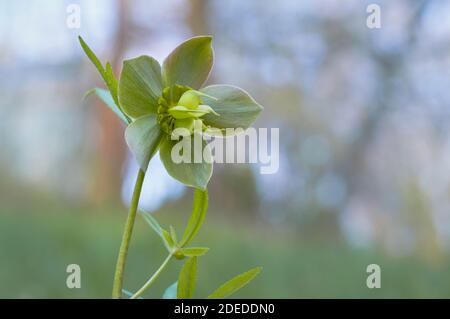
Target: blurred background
x,y
364,171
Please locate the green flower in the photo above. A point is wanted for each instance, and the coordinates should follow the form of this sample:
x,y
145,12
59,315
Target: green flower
x,y
155,100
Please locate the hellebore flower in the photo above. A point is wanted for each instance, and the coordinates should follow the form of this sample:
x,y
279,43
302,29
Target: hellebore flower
x,y
155,100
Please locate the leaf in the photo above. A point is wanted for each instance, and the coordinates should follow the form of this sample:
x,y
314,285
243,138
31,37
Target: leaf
x,y
129,293
193,251
186,280
165,236
199,208
171,291
106,74
91,55
140,86
235,284
152,222
143,137
236,107
168,240
190,63
106,97
189,173
173,234
111,82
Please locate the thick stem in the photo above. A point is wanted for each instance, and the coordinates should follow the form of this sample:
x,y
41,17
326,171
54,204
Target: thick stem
x,y
120,266
152,278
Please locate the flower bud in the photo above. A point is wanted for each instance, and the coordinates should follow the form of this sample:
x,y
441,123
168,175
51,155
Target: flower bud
x,y
189,99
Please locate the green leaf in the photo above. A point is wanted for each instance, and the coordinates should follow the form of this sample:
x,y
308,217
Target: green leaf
x,y
235,106
165,236
143,137
111,82
129,293
186,280
189,173
106,97
171,291
233,285
193,251
199,208
152,222
106,74
140,86
91,55
168,240
190,63
173,234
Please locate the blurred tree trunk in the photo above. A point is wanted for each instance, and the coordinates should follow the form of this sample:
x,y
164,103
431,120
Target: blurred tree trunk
x,y
111,150
197,17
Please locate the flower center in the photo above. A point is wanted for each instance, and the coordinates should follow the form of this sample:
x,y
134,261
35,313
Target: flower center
x,y
182,107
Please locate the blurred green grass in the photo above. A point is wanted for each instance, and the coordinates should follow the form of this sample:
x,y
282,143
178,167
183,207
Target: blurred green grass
x,y
38,239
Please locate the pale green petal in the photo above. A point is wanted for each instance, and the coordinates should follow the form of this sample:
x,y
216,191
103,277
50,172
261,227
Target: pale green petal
x,y
107,98
235,107
140,86
143,137
190,63
191,174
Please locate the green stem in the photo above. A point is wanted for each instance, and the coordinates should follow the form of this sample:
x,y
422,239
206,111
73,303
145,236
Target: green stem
x,y
120,266
152,278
